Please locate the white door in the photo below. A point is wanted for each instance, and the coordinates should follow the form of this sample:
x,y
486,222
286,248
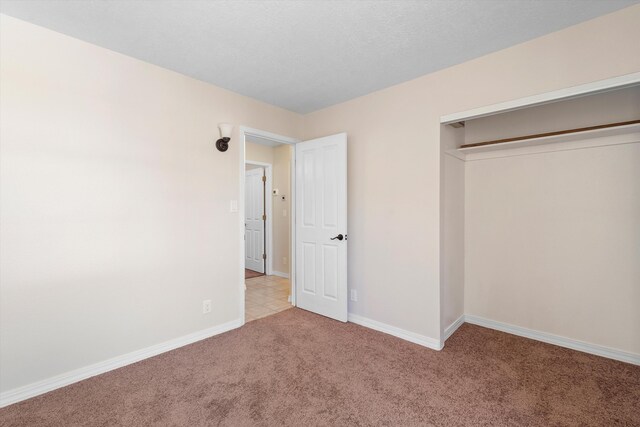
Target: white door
x,y
254,220
321,226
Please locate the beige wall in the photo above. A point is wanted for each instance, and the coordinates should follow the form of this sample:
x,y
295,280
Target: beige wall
x,y
282,209
394,156
452,253
258,152
114,203
552,243
280,158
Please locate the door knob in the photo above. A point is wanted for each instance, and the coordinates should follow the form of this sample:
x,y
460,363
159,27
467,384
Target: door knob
x,y
339,237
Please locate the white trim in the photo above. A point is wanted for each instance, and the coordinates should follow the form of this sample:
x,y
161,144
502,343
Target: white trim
x,y
292,243
449,330
268,202
268,135
599,86
241,249
413,337
280,274
598,350
31,390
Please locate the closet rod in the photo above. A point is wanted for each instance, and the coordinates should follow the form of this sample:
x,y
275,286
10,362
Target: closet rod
x,y
541,135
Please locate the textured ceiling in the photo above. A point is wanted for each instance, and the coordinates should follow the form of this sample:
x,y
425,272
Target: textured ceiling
x,y
306,55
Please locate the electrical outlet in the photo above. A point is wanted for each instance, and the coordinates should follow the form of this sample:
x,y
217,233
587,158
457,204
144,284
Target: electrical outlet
x,y
354,295
206,306
284,260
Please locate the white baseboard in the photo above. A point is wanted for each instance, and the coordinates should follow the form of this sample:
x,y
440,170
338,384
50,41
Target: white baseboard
x,y
413,337
50,384
453,327
598,350
280,274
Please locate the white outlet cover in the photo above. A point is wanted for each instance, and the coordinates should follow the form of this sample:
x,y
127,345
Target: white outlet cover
x,y
233,206
206,306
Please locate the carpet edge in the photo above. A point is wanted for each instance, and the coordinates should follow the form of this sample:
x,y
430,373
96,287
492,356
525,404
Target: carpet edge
x,y
413,337
597,350
28,391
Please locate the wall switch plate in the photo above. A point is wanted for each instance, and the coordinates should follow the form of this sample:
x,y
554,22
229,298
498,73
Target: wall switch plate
x,y
284,260
233,206
284,212
354,295
206,306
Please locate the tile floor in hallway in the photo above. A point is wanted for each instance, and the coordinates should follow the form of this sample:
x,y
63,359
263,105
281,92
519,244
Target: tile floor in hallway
x,y
266,295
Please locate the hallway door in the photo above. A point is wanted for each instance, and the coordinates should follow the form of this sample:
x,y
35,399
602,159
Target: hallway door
x,y
254,220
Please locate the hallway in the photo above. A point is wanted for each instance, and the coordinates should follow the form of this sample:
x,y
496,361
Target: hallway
x,y
266,295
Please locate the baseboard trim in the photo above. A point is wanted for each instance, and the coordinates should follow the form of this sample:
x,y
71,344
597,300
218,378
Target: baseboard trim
x,y
453,327
413,337
31,390
595,349
280,274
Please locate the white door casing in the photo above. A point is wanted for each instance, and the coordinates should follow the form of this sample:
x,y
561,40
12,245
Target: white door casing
x,y
321,216
254,222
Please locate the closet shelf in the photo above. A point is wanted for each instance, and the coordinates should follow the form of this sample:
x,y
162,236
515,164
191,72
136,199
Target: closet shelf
x,y
544,135
609,134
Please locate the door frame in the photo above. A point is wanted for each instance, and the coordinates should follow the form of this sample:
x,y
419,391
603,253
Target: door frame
x,y
243,132
268,211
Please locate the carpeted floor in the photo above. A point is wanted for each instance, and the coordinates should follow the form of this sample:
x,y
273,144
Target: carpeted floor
x,y
296,368
249,274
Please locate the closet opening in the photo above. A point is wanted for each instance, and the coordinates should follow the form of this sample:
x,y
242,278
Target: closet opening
x,y
540,222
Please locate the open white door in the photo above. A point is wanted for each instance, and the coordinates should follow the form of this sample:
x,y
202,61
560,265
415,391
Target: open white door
x,y
321,226
254,220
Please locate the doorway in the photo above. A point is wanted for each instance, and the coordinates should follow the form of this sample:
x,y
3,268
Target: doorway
x,y
267,219
314,204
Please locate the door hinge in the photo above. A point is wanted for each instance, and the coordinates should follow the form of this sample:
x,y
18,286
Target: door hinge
x,y
264,217
264,256
264,178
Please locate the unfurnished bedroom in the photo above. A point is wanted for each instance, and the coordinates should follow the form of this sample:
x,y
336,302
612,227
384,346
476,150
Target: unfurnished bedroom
x,y
319,213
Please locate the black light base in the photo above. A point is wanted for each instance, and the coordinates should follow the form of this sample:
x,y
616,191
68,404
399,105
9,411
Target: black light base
x,y
223,144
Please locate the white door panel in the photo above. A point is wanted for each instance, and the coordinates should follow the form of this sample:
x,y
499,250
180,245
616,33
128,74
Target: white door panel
x,y
321,215
254,222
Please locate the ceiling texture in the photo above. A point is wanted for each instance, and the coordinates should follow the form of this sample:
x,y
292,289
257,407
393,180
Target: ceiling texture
x,y
307,55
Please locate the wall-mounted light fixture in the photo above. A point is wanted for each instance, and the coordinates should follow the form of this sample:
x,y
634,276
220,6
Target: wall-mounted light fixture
x,y
225,136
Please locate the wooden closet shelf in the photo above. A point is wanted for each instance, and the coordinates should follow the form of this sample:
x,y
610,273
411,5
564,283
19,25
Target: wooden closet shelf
x,y
542,135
